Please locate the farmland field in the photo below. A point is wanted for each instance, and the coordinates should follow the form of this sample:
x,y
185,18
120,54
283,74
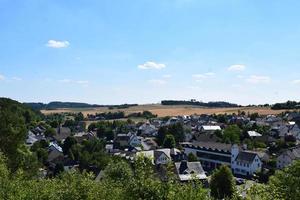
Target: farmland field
x,y
162,110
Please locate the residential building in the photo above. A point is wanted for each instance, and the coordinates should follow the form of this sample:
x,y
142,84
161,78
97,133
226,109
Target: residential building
x,y
187,171
244,162
287,157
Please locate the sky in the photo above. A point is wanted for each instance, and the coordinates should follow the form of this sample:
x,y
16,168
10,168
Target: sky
x,y
145,51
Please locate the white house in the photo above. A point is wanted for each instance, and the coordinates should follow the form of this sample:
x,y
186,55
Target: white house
x,y
187,171
244,162
159,156
254,134
213,154
209,129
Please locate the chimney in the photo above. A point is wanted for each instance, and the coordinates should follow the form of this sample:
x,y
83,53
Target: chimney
x,y
183,166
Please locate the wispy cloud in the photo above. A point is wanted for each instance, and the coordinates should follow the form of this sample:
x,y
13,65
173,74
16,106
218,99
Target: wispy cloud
x,y
84,82
235,68
15,78
203,76
167,76
157,81
57,44
151,65
296,81
2,77
65,80
258,79
70,81
192,87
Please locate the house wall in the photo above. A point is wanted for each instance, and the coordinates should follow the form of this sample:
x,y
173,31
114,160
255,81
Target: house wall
x,y
209,160
247,169
283,161
162,159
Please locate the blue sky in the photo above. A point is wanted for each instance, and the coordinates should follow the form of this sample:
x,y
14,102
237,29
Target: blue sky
x,y
144,51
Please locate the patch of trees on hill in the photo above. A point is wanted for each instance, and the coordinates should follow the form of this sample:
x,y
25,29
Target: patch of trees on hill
x,y
57,104
286,105
216,104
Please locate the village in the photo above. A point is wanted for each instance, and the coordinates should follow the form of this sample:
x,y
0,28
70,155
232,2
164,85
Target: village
x,y
252,146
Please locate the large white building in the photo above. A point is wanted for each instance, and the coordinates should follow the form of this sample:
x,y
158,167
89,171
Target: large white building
x,y
212,155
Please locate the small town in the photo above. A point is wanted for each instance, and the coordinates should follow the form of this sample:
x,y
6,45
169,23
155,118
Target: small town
x,y
251,147
149,100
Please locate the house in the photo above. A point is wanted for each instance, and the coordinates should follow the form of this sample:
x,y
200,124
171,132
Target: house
x,y
244,162
81,136
172,120
149,143
31,138
214,154
35,135
211,154
55,153
253,134
148,129
135,141
161,156
187,171
209,129
122,140
287,157
62,133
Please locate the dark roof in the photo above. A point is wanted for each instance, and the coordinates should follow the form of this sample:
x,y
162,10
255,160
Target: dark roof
x,y
247,157
185,167
62,133
211,145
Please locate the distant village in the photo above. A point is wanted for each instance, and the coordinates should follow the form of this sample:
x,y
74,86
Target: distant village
x,y
252,146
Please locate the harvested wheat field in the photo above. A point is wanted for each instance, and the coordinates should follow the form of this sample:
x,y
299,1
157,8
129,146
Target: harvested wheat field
x,y
162,110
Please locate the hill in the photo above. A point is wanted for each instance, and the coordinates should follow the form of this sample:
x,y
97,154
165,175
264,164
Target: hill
x,y
215,104
58,104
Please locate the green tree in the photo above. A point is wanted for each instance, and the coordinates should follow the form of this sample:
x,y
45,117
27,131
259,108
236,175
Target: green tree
x,y
222,184
50,132
118,170
169,141
161,134
232,134
286,183
68,143
192,157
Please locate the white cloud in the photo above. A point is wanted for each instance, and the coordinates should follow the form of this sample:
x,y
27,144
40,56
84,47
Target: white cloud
x,y
65,80
240,76
192,87
157,82
2,77
82,82
57,44
296,81
198,76
209,74
167,76
258,79
238,67
151,65
16,78
203,76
